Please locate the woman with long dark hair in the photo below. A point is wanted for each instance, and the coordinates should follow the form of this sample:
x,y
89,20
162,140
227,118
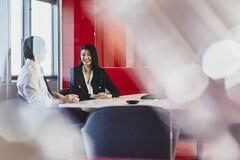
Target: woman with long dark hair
x,y
88,79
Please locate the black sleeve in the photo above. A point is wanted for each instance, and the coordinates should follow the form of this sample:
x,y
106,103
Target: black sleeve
x,y
71,76
110,86
74,87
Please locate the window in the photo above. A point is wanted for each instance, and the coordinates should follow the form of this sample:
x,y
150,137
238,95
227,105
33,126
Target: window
x,y
41,23
34,17
16,35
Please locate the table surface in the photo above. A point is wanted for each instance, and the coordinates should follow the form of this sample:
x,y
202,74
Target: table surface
x,y
120,101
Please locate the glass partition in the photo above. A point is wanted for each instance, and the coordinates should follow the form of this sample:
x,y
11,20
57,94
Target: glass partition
x,y
185,54
190,49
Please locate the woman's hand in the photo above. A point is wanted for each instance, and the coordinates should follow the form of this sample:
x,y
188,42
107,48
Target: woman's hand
x,y
57,95
69,98
103,95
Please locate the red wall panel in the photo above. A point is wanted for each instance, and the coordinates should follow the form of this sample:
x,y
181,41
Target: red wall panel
x,y
67,11
68,38
77,30
111,43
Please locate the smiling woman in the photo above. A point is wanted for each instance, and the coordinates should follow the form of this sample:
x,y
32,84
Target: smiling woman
x,y
90,81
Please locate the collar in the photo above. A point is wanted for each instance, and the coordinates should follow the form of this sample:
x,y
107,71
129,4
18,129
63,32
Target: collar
x,y
34,65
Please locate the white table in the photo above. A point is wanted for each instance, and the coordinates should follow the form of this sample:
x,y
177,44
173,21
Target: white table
x,y
120,101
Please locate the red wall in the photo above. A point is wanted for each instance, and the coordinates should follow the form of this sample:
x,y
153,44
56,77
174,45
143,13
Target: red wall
x,y
111,43
77,30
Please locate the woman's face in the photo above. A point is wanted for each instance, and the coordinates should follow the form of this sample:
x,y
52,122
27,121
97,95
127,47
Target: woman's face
x,y
39,49
42,55
86,57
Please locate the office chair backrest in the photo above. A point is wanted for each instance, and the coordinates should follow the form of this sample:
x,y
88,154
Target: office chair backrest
x,y
129,132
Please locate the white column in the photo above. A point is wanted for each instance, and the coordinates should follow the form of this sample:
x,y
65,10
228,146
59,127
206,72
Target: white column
x,y
5,70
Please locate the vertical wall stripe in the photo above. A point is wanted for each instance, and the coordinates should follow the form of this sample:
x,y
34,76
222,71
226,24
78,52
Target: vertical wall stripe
x,y
5,69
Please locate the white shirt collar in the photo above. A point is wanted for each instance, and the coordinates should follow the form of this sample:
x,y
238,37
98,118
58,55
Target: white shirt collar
x,y
88,81
34,65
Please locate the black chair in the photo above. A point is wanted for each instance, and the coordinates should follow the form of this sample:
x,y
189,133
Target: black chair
x,y
130,132
235,131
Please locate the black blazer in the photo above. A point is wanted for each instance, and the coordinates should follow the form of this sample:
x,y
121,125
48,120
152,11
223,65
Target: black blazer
x,y
100,82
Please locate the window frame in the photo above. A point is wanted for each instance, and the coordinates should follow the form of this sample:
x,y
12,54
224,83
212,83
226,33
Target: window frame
x,y
27,31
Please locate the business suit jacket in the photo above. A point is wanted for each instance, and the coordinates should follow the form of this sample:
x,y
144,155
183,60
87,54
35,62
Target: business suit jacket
x,y
100,82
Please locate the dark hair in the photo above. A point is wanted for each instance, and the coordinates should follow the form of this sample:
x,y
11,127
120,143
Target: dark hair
x,y
28,48
32,46
93,52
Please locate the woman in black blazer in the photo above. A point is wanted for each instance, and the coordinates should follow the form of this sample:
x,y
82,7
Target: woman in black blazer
x,y
88,80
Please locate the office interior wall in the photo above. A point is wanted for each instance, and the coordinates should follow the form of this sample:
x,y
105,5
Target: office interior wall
x,y
80,26
110,42
77,29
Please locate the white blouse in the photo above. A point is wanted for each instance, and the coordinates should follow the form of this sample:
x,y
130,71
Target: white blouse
x,y
88,81
32,87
